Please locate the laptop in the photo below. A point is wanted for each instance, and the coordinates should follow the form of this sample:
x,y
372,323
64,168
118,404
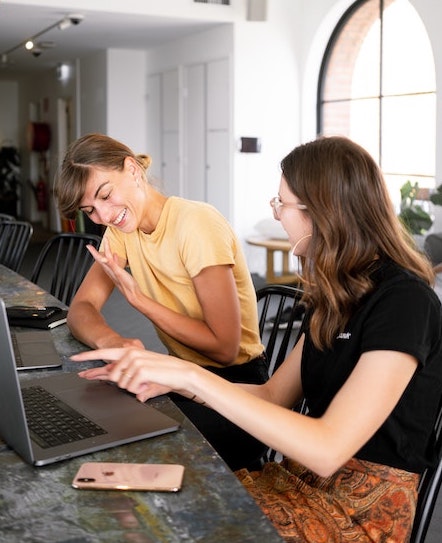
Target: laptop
x,y
98,414
34,349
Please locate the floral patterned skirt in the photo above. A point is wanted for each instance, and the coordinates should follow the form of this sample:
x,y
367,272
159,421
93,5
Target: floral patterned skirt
x,y
362,502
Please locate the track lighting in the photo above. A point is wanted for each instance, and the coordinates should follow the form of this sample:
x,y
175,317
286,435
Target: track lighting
x,y
64,23
29,44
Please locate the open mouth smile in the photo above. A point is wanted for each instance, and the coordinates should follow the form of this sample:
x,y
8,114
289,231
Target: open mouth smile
x,y
120,217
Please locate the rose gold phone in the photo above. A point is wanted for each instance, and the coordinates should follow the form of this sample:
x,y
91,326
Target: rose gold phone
x,y
126,476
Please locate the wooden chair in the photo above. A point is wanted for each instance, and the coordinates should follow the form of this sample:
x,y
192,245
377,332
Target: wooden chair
x,y
14,241
63,262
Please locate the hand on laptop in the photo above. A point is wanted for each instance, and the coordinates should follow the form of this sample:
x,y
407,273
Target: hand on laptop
x,y
144,373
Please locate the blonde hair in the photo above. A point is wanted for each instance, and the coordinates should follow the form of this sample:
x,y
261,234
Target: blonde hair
x,y
83,155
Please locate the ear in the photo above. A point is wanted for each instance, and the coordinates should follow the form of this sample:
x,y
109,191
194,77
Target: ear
x,y
130,165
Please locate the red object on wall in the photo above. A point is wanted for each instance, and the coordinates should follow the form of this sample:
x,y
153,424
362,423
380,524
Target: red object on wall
x,y
41,194
39,137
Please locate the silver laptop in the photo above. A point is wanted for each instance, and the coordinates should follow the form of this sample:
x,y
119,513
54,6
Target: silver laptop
x,y
34,349
97,415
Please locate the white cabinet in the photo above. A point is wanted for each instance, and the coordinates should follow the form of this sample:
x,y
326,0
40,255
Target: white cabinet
x,y
192,133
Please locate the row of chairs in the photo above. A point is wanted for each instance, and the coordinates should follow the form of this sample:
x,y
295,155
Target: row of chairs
x,y
61,264
279,304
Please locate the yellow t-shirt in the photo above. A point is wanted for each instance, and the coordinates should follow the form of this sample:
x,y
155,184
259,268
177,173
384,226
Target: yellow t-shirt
x,y
189,237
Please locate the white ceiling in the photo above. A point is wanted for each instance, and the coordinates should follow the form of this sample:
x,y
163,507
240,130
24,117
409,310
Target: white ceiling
x,y
99,30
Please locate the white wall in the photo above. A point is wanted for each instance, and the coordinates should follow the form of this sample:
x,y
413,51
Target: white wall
x,y
126,98
9,113
275,68
266,105
93,94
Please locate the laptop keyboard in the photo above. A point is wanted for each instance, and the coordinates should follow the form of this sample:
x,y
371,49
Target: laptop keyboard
x,y
52,422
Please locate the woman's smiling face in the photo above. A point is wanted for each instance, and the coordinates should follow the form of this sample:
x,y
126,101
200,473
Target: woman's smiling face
x,y
112,197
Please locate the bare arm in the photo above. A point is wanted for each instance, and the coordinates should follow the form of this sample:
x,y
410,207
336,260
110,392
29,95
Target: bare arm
x,y
85,320
322,445
217,335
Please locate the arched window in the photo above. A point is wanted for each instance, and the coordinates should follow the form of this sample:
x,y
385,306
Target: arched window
x,y
378,87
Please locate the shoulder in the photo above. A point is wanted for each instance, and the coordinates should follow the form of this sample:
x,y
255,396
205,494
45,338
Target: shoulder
x,y
184,206
401,297
390,276
195,214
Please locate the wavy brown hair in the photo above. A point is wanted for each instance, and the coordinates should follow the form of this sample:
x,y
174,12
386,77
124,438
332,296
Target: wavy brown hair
x,y
354,225
82,157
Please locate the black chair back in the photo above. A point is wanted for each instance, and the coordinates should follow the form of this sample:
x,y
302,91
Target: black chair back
x,y
14,241
429,487
279,314
63,262
5,217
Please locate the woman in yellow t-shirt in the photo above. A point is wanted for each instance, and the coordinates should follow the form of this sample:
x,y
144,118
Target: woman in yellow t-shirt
x,y
188,276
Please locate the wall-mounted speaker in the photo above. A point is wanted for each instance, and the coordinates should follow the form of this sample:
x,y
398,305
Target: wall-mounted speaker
x,y
249,145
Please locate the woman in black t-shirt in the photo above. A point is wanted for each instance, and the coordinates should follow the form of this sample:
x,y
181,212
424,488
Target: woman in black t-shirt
x,y
368,361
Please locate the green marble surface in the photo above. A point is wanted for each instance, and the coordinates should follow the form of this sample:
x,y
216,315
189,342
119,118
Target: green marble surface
x,y
40,505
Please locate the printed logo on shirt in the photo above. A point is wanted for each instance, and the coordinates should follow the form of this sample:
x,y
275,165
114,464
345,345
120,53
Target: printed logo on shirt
x,y
344,335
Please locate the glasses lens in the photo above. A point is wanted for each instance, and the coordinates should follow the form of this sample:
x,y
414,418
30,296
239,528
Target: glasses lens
x,y
275,203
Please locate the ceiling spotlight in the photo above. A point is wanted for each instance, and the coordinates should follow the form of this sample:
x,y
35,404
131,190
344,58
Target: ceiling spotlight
x,y
36,49
75,18
64,23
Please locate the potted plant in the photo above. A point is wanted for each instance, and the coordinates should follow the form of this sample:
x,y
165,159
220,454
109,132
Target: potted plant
x,y
9,179
413,216
436,197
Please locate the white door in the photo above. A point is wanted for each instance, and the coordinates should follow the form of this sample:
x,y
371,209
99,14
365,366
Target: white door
x,y
194,141
171,167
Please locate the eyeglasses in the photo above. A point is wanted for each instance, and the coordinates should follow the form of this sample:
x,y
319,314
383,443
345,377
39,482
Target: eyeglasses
x,y
276,205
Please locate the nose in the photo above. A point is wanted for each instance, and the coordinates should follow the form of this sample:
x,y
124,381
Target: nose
x,y
102,214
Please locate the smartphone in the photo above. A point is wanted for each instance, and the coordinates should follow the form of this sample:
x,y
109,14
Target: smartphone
x,y
127,476
31,312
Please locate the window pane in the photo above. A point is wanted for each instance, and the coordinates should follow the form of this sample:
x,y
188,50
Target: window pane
x,y
365,132
393,116
353,66
349,118
408,134
408,64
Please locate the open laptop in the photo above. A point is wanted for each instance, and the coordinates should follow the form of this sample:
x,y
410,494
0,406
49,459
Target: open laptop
x,y
34,349
109,415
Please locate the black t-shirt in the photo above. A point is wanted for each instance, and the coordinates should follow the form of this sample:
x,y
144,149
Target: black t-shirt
x,y
403,314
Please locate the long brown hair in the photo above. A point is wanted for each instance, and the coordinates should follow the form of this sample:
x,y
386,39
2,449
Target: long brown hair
x,y
83,155
354,224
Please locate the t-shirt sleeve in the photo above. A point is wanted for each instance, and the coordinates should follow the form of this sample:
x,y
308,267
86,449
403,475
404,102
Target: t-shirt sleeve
x,y
406,318
206,239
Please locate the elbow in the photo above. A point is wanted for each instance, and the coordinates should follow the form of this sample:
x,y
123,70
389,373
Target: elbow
x,y
326,465
227,355
70,319
326,469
